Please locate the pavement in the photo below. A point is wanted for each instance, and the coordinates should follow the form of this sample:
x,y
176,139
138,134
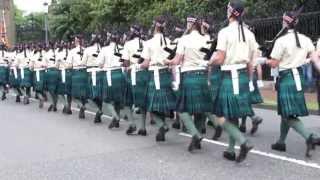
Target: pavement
x,y
36,144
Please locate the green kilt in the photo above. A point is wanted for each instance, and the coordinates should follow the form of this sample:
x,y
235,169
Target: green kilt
x,y
4,75
96,91
39,86
139,91
115,93
228,104
14,82
80,89
194,93
52,80
215,82
255,96
162,100
290,101
128,95
27,81
64,88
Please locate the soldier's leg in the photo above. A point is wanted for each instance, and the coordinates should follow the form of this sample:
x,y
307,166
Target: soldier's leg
x,y
216,125
161,124
200,122
280,145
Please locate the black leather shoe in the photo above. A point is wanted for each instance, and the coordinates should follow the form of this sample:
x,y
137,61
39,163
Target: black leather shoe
x,y
131,130
18,99
50,108
82,113
55,109
195,143
279,147
311,145
114,124
142,132
97,118
217,133
243,129
176,124
161,136
3,97
255,125
244,150
231,156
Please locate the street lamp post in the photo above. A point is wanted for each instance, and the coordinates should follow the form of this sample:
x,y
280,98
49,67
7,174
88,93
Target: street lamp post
x,y
45,4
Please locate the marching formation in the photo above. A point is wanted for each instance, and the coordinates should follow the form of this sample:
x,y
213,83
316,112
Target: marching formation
x,y
190,76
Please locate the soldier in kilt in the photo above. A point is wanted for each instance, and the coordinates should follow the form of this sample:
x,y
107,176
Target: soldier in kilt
x,y
4,72
14,74
235,47
194,97
65,78
255,98
114,80
95,78
52,76
38,64
290,57
160,98
139,79
80,89
26,75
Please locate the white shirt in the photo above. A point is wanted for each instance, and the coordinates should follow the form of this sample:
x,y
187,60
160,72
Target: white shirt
x,y
51,59
189,46
89,55
107,59
75,59
38,62
130,48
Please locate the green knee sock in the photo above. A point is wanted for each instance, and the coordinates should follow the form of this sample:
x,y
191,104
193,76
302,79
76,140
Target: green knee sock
x,y
200,121
110,109
232,143
234,132
160,120
131,119
143,120
298,126
284,130
188,123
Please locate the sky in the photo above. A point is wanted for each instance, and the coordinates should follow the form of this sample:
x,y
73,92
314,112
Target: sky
x,y
29,6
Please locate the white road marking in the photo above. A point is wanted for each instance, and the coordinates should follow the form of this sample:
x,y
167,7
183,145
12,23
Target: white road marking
x,y
261,153
257,152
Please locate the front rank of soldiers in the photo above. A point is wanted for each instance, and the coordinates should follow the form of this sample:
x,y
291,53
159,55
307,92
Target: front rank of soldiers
x,y
181,76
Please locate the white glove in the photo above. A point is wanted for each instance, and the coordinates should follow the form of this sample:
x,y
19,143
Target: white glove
x,y
251,86
260,83
175,86
261,60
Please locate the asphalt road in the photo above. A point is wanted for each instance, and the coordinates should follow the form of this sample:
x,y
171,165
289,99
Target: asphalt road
x,y
36,144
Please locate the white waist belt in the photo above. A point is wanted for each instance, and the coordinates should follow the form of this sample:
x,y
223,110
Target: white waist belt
x,y
3,65
177,72
79,67
93,72
156,75
63,75
109,74
22,73
296,77
38,73
15,72
234,75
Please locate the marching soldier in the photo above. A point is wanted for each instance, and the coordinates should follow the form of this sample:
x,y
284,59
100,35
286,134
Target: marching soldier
x,y
14,75
194,97
114,81
139,78
96,76
160,96
80,87
65,70
52,76
38,64
26,75
290,57
235,47
4,71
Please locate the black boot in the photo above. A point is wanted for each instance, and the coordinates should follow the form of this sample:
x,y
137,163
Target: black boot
x,y
131,130
195,143
114,124
142,132
50,108
231,156
4,97
244,150
55,109
161,136
176,124
255,125
18,99
311,145
82,113
217,133
279,147
243,128
97,118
